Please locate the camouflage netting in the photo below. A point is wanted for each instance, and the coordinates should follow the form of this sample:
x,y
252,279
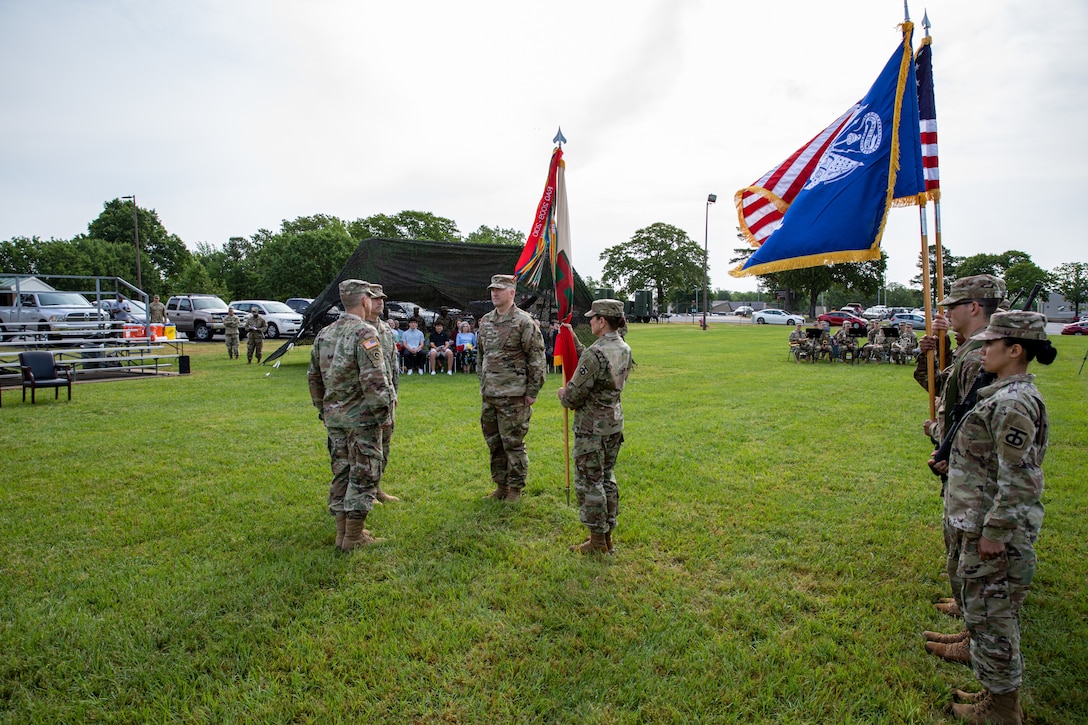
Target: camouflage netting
x,y
434,274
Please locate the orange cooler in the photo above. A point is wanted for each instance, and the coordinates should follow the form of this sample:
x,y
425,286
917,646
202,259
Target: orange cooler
x,y
133,331
158,331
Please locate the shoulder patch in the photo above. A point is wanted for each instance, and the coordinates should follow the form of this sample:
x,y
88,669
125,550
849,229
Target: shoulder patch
x,y
370,343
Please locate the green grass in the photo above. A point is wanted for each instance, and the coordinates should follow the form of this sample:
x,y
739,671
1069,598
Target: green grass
x,y
165,554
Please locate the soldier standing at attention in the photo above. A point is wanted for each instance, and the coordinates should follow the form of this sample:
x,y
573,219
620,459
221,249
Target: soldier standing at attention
x,y
255,327
231,323
511,367
157,310
593,393
355,400
968,307
993,511
391,362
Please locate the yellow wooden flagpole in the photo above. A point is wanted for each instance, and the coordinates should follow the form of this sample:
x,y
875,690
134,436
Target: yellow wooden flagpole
x,y
927,297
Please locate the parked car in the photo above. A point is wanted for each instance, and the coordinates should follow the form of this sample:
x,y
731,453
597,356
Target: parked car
x,y
777,317
401,311
743,311
916,321
856,307
299,305
281,319
1076,328
198,314
838,317
876,312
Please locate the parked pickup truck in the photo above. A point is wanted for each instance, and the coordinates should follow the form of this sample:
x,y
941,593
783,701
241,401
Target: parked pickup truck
x,y
199,316
49,312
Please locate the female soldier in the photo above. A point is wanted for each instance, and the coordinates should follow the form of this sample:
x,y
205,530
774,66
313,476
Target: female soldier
x,y
992,506
593,393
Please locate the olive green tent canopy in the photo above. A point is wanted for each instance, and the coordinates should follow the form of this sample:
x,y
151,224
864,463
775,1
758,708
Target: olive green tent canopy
x,y
434,274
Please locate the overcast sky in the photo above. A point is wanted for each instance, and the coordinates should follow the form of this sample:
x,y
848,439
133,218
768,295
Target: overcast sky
x,y
228,116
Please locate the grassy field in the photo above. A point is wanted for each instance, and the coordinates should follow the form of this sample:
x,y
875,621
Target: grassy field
x,y
165,555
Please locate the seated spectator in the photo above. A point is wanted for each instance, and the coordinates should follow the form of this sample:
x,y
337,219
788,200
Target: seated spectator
x,y
822,346
905,348
846,342
440,346
466,347
394,327
799,345
874,348
412,340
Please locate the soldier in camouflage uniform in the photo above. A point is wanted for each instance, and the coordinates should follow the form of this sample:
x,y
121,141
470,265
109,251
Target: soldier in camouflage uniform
x,y
593,393
968,307
355,399
993,510
905,345
255,329
231,323
392,372
798,343
511,367
874,348
847,343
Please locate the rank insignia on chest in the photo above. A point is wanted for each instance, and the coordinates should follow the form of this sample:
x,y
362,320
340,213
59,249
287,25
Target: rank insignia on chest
x,y
371,343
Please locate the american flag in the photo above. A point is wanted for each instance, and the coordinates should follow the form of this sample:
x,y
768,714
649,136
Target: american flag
x,y
927,119
762,205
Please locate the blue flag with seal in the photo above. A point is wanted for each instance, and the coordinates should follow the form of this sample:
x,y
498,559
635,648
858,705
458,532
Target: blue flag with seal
x,y
829,201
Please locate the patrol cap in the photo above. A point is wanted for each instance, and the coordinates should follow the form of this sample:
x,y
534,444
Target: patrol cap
x,y
376,292
975,287
254,308
353,288
503,281
606,308
1017,323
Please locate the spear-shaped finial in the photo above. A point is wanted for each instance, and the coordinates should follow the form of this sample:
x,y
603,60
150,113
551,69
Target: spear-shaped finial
x,y
925,22
559,137
906,12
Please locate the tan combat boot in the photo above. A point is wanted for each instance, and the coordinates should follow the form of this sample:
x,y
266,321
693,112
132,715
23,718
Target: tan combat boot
x,y
947,638
608,541
948,606
959,652
991,710
596,545
499,493
970,697
513,495
355,535
381,496
341,523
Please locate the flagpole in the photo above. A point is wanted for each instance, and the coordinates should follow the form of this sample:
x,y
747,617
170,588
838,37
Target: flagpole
x,y
559,140
938,249
927,297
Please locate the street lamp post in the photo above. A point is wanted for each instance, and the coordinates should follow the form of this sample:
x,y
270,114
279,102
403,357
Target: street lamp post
x,y
136,231
710,199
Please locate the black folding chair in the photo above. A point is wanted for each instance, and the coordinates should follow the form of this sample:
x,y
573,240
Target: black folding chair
x,y
40,370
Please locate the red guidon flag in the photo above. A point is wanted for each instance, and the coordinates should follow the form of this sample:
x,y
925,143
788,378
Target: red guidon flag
x,y
566,353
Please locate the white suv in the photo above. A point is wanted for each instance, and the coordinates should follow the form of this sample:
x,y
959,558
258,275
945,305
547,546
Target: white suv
x,y
281,319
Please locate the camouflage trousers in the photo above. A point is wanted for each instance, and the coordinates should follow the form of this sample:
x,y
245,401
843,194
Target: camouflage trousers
x,y
505,422
232,345
595,484
254,343
992,592
356,457
387,439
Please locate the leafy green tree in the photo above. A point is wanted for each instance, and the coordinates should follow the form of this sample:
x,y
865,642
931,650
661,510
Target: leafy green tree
x,y
19,255
406,225
301,264
951,270
1024,276
659,256
166,252
496,235
1070,280
194,279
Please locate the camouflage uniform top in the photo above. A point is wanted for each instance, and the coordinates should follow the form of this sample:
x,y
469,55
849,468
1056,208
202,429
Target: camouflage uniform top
x,y
843,336
157,310
995,475
256,324
797,337
391,365
908,341
593,393
510,355
876,336
231,323
347,382
955,382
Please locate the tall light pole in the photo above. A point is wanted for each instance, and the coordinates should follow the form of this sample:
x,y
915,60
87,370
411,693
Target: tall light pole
x,y
710,199
136,230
